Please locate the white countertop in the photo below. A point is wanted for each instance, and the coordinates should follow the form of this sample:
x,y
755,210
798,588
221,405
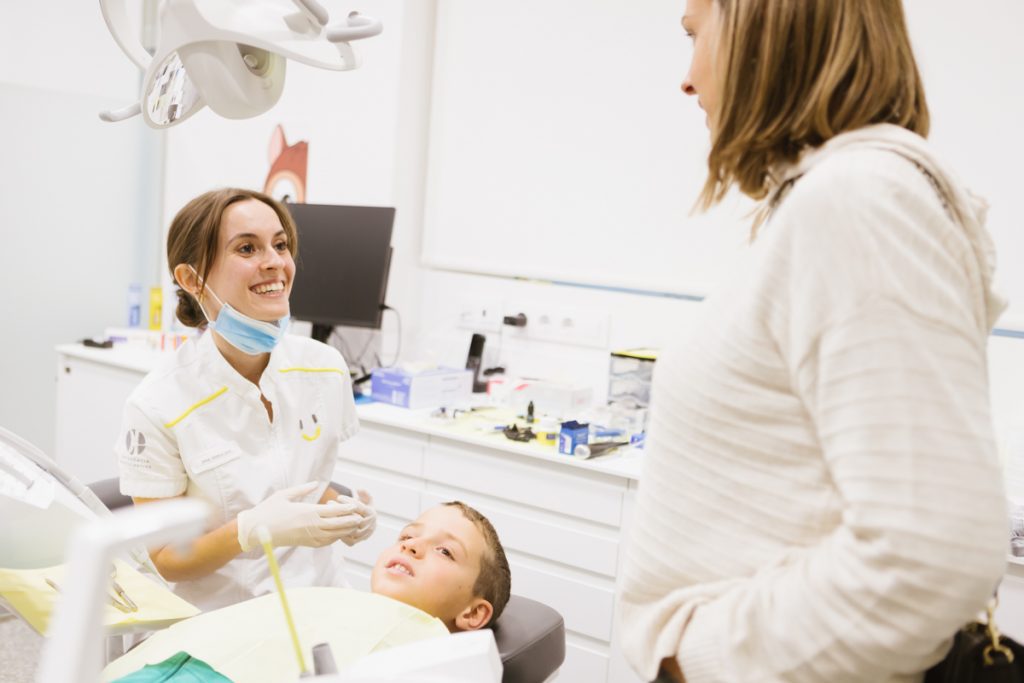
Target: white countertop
x,y
475,429
136,358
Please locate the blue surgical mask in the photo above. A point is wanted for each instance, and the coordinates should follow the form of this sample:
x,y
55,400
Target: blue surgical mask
x,y
246,334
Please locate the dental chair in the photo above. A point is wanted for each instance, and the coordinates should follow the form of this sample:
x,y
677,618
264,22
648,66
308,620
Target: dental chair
x,y
530,635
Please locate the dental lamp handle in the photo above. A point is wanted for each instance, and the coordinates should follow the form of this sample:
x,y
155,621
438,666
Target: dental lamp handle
x,y
72,651
357,27
114,115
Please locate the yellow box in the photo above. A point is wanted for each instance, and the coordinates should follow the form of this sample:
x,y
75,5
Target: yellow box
x,y
156,308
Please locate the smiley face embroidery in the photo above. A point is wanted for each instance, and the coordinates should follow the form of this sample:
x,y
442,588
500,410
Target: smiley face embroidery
x,y
313,426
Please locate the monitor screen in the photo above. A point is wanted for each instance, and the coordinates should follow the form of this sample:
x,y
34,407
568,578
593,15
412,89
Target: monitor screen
x,y
341,273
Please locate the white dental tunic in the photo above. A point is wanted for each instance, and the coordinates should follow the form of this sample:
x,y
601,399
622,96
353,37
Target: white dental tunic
x,y
196,427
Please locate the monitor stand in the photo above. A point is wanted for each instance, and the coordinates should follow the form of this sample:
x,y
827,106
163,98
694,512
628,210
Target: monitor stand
x,y
321,332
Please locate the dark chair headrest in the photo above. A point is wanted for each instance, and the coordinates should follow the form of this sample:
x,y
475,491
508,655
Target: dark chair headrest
x,y
531,640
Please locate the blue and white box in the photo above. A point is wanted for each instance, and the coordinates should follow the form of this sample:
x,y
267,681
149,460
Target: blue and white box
x,y
573,434
428,388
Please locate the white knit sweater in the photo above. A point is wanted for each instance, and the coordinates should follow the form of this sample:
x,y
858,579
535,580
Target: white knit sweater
x,y
821,498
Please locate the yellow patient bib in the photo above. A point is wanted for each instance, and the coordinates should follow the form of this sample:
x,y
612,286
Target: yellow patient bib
x,y
249,642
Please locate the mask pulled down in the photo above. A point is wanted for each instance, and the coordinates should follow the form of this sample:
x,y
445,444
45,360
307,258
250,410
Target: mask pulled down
x,y
246,334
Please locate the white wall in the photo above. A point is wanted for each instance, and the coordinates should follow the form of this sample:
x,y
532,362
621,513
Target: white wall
x,y
77,198
562,148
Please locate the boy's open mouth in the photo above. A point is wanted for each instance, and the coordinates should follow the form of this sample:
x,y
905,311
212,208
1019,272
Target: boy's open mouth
x,y
399,567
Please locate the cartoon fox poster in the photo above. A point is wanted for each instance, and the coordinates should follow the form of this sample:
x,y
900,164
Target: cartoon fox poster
x,y
286,180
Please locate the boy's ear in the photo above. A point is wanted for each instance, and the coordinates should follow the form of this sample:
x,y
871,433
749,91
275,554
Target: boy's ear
x,y
475,616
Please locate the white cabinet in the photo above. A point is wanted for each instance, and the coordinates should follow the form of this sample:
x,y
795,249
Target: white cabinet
x,y
1010,612
91,392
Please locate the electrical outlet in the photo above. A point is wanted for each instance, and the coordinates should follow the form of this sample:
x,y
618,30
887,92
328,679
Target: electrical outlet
x,y
479,317
578,327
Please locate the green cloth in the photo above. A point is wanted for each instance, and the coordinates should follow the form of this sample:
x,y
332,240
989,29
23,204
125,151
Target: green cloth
x,y
180,668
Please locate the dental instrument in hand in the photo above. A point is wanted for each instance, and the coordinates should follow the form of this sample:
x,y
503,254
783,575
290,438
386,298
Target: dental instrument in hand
x,y
121,592
119,599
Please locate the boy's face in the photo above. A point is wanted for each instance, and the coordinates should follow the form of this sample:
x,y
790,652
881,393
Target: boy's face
x,y
433,566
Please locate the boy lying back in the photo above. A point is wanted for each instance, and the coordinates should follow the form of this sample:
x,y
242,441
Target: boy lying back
x,y
446,572
450,564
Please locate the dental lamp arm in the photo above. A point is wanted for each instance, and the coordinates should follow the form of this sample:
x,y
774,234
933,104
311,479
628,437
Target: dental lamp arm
x,y
115,14
72,651
205,555
314,10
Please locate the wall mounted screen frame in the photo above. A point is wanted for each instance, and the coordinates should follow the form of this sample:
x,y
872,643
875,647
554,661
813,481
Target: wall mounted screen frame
x,y
343,264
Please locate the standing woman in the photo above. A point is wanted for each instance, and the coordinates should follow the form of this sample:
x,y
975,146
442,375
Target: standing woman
x,y
246,417
821,498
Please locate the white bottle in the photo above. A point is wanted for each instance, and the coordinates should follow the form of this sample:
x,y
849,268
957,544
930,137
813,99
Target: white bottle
x,y
134,305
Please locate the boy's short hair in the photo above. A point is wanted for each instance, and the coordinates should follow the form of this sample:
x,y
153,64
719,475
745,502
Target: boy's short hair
x,y
494,583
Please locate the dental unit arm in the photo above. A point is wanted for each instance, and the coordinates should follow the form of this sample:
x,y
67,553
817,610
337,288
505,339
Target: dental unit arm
x,y
229,55
74,644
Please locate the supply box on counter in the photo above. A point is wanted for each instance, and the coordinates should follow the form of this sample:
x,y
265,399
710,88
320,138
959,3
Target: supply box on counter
x,y
629,376
429,388
549,397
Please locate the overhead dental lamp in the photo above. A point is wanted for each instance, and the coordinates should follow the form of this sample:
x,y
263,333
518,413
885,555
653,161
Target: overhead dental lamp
x,y
229,55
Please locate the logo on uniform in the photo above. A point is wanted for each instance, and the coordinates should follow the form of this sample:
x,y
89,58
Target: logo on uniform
x,y
135,442
314,423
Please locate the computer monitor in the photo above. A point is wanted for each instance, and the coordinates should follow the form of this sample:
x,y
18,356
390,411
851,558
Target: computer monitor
x,y
341,273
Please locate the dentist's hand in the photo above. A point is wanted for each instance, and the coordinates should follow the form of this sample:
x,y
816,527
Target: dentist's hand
x,y
292,522
363,515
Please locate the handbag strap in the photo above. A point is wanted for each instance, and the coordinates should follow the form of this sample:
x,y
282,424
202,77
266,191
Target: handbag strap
x,y
992,631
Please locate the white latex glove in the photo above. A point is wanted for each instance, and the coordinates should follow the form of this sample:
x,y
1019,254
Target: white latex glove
x,y
361,508
291,522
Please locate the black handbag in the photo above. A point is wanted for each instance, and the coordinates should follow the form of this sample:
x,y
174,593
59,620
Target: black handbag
x,y
980,654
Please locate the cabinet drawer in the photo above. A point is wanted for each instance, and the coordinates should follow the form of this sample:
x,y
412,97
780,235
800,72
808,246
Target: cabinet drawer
x,y
586,608
583,664
387,449
389,497
1010,613
544,539
541,485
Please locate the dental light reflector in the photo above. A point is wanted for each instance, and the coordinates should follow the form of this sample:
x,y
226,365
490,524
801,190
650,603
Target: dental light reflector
x,y
230,55
171,96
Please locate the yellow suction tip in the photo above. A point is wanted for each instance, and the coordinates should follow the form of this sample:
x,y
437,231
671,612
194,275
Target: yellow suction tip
x,y
263,534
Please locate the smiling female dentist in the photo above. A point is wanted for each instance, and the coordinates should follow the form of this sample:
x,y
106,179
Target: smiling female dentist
x,y
245,417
